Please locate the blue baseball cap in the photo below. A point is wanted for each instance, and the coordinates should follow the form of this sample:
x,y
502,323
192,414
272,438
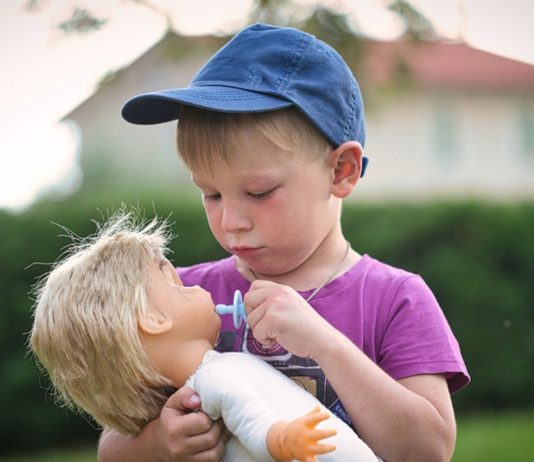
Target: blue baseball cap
x,y
265,68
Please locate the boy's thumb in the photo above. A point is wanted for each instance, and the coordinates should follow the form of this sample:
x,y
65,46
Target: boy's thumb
x,y
184,399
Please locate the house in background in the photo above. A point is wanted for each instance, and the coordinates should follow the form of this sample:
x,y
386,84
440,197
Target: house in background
x,y
462,126
443,121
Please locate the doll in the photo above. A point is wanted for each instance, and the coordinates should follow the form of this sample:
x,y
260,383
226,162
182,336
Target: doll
x,y
115,329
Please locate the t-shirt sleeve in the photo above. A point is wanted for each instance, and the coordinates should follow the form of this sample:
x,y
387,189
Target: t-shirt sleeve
x,y
418,339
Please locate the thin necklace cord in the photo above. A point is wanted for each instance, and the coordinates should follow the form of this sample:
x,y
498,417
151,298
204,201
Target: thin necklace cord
x,y
327,280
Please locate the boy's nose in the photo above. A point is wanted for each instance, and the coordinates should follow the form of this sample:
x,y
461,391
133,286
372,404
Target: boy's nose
x,y
234,220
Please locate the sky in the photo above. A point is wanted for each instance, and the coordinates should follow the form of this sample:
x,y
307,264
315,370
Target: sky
x,y
47,73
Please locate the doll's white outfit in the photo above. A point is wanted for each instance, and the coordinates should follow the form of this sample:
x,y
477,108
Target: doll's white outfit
x,y
250,396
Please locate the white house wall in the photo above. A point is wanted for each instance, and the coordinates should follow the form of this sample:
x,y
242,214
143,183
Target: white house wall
x,y
484,157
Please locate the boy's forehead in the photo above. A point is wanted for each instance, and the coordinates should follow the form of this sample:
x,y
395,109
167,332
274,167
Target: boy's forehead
x,y
252,166
240,174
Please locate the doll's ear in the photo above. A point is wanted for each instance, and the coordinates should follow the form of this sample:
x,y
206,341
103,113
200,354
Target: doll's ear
x,y
154,324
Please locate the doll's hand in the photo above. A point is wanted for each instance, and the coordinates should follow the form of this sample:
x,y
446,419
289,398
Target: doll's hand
x,y
182,435
299,439
278,314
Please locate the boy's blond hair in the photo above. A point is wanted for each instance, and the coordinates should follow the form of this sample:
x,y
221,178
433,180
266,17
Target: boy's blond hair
x,y
204,135
85,331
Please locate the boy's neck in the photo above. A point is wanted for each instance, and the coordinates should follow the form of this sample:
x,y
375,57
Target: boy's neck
x,y
330,258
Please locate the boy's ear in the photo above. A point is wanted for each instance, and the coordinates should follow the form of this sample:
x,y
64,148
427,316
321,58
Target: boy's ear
x,y
154,323
346,162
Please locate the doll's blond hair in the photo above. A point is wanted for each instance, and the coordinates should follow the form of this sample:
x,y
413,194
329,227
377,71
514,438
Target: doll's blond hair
x,y
203,135
85,330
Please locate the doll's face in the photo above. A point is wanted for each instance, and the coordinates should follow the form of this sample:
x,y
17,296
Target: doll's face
x,y
191,308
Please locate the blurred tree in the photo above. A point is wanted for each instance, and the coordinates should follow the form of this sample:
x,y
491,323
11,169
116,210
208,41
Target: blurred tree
x,y
81,21
418,27
319,15
319,18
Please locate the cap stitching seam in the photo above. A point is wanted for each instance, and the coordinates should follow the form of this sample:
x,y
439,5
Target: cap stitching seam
x,y
350,119
295,60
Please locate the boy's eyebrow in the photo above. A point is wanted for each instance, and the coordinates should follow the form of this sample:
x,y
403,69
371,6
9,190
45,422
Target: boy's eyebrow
x,y
197,182
262,177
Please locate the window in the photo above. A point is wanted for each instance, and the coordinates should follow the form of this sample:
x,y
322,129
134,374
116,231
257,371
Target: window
x,y
445,134
526,132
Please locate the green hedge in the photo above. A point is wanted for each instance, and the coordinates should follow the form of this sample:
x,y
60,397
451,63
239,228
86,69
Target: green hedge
x,y
478,259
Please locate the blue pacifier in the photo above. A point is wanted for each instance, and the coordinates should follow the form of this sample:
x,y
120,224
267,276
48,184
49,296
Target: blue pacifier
x,y
237,309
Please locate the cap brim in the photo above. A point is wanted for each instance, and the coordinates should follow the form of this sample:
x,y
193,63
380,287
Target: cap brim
x,y
166,105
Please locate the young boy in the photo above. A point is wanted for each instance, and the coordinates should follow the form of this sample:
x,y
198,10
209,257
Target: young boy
x,y
272,129
114,326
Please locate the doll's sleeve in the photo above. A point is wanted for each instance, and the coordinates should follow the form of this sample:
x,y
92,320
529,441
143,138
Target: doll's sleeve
x,y
226,393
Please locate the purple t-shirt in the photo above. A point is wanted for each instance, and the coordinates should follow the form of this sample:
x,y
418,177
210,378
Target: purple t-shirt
x,y
390,314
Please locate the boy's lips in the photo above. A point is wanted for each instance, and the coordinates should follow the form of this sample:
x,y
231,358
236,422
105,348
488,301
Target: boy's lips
x,y
243,251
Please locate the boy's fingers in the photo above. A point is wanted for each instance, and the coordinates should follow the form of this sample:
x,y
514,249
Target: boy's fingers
x,y
253,299
183,400
258,293
203,436
259,283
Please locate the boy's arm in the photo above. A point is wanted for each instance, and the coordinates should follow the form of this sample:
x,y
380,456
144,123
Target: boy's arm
x,y
417,424
411,419
177,435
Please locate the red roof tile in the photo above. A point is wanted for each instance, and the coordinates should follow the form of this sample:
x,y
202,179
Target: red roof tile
x,y
444,65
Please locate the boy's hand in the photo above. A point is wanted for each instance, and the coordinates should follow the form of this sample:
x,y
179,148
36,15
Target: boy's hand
x,y
182,435
278,314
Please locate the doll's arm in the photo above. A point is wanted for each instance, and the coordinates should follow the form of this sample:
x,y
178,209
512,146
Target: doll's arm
x,y
299,439
225,392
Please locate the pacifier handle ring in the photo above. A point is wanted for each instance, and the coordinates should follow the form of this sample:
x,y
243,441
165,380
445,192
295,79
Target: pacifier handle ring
x,y
237,309
238,314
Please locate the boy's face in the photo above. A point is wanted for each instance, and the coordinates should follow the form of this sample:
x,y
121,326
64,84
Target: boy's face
x,y
271,208
190,308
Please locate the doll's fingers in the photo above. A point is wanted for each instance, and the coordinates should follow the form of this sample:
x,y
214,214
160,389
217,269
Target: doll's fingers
x,y
315,416
322,448
321,434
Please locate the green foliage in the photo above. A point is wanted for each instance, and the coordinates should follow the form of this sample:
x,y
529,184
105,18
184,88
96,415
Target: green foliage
x,y
477,258
418,27
478,261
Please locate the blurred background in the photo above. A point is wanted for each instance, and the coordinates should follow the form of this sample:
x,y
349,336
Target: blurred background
x,y
449,194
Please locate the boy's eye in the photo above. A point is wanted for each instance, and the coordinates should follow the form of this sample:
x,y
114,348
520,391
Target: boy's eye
x,y
211,197
261,195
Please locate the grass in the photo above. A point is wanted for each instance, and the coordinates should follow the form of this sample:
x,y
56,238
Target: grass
x,y
59,455
507,436
481,438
